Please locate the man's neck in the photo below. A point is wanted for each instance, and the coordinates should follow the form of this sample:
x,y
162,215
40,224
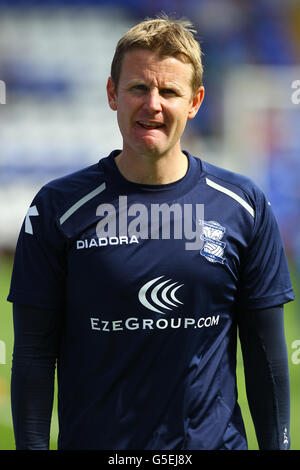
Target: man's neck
x,y
151,169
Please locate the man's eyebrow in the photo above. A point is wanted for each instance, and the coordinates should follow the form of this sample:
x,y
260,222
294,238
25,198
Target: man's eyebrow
x,y
137,81
163,86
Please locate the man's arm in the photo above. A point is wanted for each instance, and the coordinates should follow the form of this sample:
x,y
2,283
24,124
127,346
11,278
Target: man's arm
x,y
36,346
265,359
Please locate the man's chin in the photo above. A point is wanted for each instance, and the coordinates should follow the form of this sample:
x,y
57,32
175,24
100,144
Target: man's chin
x,y
151,149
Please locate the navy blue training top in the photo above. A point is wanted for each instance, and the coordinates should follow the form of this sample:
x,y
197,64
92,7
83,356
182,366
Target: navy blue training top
x,y
148,279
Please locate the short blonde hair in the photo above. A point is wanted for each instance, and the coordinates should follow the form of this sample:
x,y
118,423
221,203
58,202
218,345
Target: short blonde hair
x,y
167,37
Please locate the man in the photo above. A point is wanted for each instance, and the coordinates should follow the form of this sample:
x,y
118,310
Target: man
x,y
134,273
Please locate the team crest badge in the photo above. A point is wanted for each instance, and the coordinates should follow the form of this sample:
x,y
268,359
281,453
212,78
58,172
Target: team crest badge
x,y
213,247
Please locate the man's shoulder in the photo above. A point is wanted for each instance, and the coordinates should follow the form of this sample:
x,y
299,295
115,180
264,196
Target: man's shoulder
x,y
226,176
57,196
73,185
235,187
218,178
79,180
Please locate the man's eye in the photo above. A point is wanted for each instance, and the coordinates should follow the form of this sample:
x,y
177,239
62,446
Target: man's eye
x,y
167,91
139,88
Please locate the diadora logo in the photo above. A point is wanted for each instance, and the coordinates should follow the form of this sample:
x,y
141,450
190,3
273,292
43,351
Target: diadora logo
x,y
213,248
156,295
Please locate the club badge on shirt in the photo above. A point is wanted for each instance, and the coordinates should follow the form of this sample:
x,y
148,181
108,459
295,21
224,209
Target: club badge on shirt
x,y
213,247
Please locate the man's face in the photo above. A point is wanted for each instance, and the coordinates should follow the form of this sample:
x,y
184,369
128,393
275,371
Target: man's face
x,y
153,101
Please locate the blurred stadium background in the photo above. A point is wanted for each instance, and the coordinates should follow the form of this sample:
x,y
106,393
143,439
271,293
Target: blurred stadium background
x,y
54,62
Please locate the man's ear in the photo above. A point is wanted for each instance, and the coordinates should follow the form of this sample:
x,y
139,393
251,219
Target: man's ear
x,y
196,102
111,94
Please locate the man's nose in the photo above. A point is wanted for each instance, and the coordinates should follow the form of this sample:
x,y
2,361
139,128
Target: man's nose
x,y
153,100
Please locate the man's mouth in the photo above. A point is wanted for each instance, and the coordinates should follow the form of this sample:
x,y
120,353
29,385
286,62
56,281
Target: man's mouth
x,y
150,125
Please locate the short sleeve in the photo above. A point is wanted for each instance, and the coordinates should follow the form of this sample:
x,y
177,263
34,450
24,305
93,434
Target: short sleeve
x,y
265,277
38,276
